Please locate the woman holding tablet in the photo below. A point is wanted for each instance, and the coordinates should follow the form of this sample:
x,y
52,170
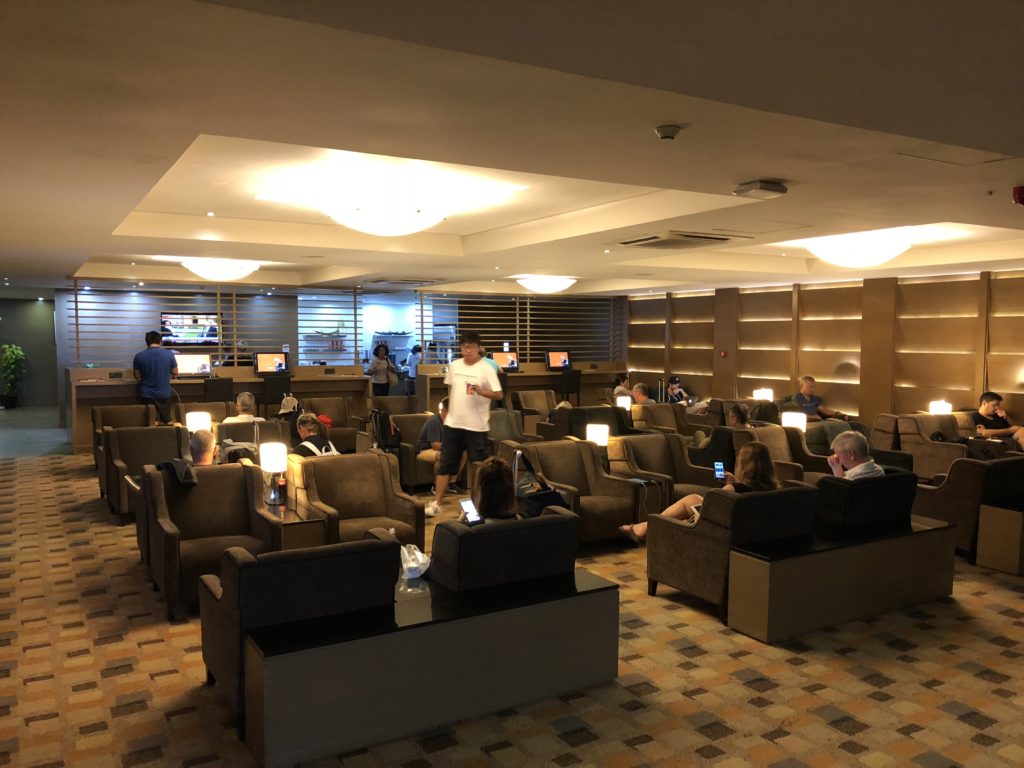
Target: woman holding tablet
x,y
754,472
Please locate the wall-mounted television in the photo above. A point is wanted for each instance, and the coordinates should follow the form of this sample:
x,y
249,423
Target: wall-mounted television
x,y
507,361
193,365
189,328
269,363
558,361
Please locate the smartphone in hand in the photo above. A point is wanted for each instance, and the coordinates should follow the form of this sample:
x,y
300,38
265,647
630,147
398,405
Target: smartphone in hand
x,y
719,470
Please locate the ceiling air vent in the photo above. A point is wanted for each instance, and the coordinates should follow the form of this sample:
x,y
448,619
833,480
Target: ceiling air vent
x,y
674,241
401,282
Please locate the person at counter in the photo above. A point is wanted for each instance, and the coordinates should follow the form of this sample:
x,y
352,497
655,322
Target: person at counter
x,y
153,368
380,367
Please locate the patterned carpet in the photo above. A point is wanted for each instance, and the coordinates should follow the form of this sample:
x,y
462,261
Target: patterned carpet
x,y
91,674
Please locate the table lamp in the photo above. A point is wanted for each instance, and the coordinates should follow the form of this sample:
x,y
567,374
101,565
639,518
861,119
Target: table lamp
x,y
274,460
196,420
766,393
796,419
624,401
598,433
940,406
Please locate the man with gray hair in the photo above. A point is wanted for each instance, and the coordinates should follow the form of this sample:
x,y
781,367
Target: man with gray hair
x,y
245,404
203,448
850,457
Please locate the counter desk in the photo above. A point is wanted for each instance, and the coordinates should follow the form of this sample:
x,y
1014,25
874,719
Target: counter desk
x,y
88,387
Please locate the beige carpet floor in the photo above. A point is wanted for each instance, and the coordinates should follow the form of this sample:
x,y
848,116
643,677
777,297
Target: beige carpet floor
x,y
91,674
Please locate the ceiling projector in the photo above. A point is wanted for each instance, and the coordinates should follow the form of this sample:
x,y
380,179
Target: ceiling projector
x,y
760,189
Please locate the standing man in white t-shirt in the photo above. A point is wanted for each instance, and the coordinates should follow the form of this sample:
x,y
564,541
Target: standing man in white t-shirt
x,y
472,384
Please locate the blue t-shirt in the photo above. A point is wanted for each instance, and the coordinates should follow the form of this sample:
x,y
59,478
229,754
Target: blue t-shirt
x,y
808,403
154,365
431,433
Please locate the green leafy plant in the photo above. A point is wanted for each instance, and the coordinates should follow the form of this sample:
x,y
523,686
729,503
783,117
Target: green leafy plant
x,y
12,368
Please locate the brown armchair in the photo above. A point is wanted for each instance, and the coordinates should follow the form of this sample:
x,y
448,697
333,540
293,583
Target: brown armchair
x,y
696,560
931,457
602,501
361,491
557,427
536,405
957,498
218,411
885,434
115,416
505,425
395,404
129,449
663,460
413,473
191,526
255,591
270,431
790,464
343,426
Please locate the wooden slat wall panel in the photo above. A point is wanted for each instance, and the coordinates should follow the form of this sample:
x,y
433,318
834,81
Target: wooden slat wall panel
x,y
765,334
647,310
646,344
940,334
695,335
910,399
692,338
647,360
829,303
647,336
1005,359
757,363
690,307
817,335
766,305
691,361
948,297
934,369
1006,335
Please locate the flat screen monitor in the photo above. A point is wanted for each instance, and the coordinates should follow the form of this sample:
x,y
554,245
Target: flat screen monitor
x,y
188,328
507,361
193,365
558,361
269,363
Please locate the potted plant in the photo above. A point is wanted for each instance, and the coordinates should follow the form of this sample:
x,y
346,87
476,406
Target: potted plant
x,y
12,368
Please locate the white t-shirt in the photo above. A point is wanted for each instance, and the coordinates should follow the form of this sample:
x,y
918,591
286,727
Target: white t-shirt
x,y
469,411
864,471
242,418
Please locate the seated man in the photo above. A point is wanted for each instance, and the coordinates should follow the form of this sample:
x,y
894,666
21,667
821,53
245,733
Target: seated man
x,y
850,457
245,404
811,404
736,417
428,444
641,395
991,420
203,448
313,435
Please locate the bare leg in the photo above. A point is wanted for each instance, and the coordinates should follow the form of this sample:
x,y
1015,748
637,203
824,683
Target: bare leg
x,y
682,509
440,487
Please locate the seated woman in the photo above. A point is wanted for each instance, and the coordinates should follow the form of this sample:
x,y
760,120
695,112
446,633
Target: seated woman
x,y
754,472
493,492
622,388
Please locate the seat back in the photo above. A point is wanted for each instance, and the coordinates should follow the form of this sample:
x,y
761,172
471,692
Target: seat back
x,y
273,431
503,426
395,404
720,448
354,484
570,383
649,453
540,400
504,551
659,415
560,461
411,424
885,434
930,423
218,411
763,515
851,508
274,390
1004,483
579,418
215,389
139,446
820,434
717,408
278,587
123,416
336,408
219,504
558,419
965,426
773,436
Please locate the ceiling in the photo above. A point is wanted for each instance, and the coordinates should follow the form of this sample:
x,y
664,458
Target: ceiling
x,y
124,124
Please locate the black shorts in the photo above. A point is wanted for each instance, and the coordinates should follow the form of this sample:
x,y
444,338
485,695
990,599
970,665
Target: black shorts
x,y
454,441
163,408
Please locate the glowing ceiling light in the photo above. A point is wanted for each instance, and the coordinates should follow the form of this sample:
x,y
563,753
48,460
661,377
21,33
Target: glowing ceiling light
x,y
869,249
383,196
545,283
220,270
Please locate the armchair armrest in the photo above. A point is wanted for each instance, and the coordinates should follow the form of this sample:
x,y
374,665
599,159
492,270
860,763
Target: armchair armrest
x,y
612,485
266,526
571,493
788,470
356,422
546,429
900,459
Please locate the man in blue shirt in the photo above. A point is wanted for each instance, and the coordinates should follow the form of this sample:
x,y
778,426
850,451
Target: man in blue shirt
x,y
811,404
428,445
153,368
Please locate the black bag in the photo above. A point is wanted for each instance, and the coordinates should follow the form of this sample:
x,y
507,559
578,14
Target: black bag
x,y
386,435
534,495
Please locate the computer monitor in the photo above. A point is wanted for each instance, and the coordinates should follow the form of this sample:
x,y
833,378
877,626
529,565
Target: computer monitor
x,y
189,328
558,361
270,363
507,361
193,365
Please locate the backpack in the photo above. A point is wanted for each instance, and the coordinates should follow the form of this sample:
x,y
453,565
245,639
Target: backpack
x,y
386,435
328,450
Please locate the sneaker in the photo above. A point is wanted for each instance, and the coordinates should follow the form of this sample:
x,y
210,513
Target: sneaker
x,y
456,488
432,509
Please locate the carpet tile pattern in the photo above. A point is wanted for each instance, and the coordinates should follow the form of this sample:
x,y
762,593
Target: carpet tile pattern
x,y
91,674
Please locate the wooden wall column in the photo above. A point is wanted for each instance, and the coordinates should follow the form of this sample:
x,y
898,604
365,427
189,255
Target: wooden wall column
x,y
878,347
726,334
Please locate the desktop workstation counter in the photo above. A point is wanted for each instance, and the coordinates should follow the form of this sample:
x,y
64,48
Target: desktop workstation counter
x,y
88,387
430,386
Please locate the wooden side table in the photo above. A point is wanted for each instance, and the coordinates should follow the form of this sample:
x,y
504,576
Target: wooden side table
x,y
1001,539
300,528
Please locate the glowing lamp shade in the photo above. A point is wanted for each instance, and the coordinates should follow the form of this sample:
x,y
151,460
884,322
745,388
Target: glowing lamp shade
x,y
624,401
545,283
597,433
940,406
196,420
220,270
765,393
273,457
794,419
